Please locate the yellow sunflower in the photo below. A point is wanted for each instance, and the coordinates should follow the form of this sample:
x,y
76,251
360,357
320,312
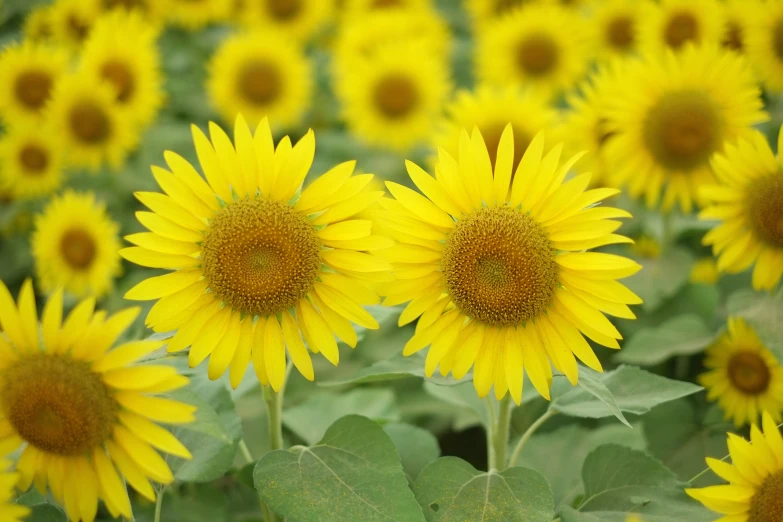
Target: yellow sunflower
x,y
541,46
90,123
71,22
494,264
122,51
30,161
490,109
152,10
739,16
261,74
28,73
38,24
9,511
670,113
483,12
755,477
394,98
257,264
299,19
764,42
704,271
84,414
616,24
747,202
353,8
673,23
75,245
196,14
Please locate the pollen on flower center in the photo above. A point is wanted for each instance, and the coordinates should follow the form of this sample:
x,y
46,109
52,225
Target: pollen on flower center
x,y
284,9
619,32
57,404
78,248
764,203
537,55
396,96
499,266
89,122
122,79
260,256
260,82
34,159
682,130
492,135
32,88
682,28
749,373
767,504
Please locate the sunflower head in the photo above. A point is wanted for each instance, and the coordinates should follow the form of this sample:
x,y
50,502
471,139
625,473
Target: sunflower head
x,y
32,162
674,23
616,25
197,14
297,19
38,24
704,271
764,41
71,22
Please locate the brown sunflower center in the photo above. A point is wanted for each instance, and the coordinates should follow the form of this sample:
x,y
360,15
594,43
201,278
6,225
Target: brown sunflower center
x,y
492,135
260,256
260,82
682,130
767,504
619,32
284,9
537,55
499,266
765,208
749,373
89,122
78,248
34,159
57,404
32,89
733,38
77,28
120,75
504,6
682,27
381,4
396,96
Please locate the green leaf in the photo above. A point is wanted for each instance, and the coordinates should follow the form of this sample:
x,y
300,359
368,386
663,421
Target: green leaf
x,y
46,513
764,312
416,446
631,389
463,395
354,473
310,420
681,335
451,490
398,367
662,277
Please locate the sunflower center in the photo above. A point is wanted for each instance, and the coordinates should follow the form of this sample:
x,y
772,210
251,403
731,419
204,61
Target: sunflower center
x,y
765,208
260,256
89,122
121,77
733,38
682,27
767,504
34,159
537,55
682,130
396,96
492,135
32,89
57,404
77,27
504,6
78,248
619,32
777,39
284,9
749,373
260,82
499,266
380,4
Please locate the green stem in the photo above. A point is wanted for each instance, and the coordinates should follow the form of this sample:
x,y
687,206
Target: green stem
x,y
159,503
529,433
274,404
498,435
246,451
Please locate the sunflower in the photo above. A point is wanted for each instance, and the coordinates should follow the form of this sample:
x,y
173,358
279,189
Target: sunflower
x,y
196,14
483,12
673,23
498,261
704,271
28,73
490,109
261,74
83,413
738,16
152,10
30,162
38,24
90,122
355,8
670,113
747,202
544,46
764,42
299,19
755,477
71,22
9,511
616,23
395,98
75,245
257,265
121,50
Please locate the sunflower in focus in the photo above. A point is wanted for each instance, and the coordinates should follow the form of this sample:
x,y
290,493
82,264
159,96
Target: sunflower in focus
x,y
493,263
84,415
299,19
71,22
10,511
75,245
28,73
257,265
616,23
38,24
764,43
490,109
738,16
747,202
755,477
197,14
669,113
673,23
261,74
541,46
30,162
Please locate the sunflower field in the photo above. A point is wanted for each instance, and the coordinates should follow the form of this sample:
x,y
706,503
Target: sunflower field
x,y
391,260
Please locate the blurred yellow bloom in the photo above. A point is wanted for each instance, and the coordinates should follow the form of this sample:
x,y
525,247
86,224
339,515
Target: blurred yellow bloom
x,y
705,271
32,161
671,24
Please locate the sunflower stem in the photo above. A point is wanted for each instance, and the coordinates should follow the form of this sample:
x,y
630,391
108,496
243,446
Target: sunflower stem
x,y
499,433
159,503
274,404
529,433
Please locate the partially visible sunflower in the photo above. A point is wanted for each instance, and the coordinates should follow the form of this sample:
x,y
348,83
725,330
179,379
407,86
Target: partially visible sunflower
x,y
493,263
153,11
38,24
704,271
669,113
361,8
755,477
541,46
646,247
31,162
739,16
258,264
764,43
673,23
197,14
10,511
483,12
84,415
299,19
261,74
28,73
616,26
71,22
747,201
75,245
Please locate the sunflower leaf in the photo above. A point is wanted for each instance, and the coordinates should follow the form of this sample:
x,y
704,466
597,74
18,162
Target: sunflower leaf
x,y
681,335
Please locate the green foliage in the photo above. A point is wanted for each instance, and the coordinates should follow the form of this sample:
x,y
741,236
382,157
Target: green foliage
x,y
680,335
662,277
417,447
46,513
